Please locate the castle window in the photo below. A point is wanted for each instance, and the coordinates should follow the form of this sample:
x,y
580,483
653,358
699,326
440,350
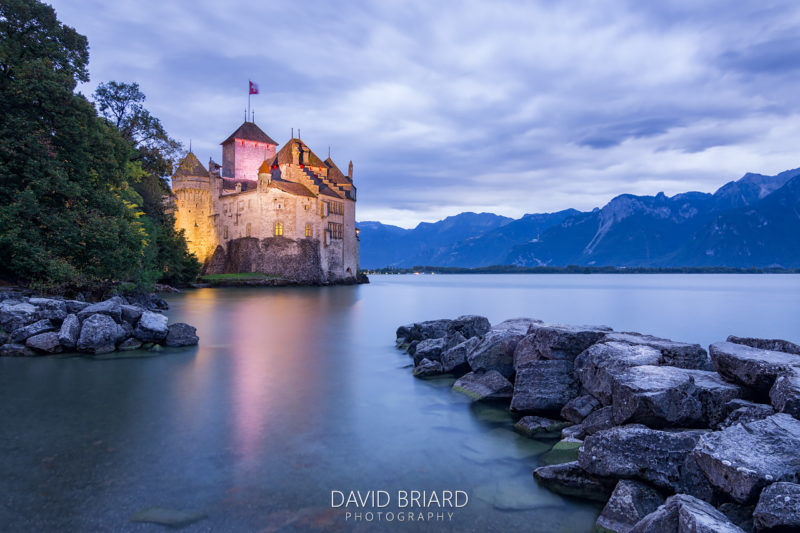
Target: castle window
x,y
309,230
279,229
248,230
225,233
335,230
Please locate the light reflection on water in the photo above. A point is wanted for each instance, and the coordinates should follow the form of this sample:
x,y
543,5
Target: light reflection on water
x,y
296,392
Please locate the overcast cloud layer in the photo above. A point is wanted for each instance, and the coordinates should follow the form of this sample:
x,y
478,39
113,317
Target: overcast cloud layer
x,y
444,107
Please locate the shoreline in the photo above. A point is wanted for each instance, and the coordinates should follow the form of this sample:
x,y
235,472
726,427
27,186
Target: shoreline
x,y
577,270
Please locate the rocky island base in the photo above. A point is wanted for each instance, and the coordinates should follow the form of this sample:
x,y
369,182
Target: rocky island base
x,y
32,326
671,436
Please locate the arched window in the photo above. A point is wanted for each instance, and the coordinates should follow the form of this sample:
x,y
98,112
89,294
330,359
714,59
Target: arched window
x,y
279,229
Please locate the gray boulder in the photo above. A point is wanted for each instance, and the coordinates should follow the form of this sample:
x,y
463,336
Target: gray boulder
x,y
598,420
544,387
596,366
661,458
785,393
776,345
455,359
743,459
680,354
49,308
131,313
152,327
110,307
129,344
517,325
573,433
540,427
45,342
751,367
469,326
495,351
15,350
579,408
15,314
75,306
778,508
545,341
427,368
483,385
99,334
630,502
181,334
69,332
570,479
683,513
21,334
419,331
430,349
741,411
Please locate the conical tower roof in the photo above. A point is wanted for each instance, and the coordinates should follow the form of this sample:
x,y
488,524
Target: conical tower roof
x,y
248,131
191,166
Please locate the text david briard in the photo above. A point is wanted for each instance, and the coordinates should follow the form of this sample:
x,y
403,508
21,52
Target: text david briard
x,y
410,505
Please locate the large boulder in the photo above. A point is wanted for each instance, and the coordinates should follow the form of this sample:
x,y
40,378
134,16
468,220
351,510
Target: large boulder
x,y
430,349
630,502
776,345
785,394
131,313
15,314
742,411
99,334
69,332
152,327
539,427
544,387
469,326
577,409
683,513
455,359
15,350
661,458
570,479
495,351
517,325
49,308
75,306
45,342
484,385
181,334
743,459
110,307
751,367
556,341
680,354
598,420
596,366
40,326
778,508
419,331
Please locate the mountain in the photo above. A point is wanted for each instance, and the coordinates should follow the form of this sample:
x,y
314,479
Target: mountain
x,y
751,222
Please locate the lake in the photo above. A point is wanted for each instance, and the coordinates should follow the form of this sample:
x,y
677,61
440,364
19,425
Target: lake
x,y
297,392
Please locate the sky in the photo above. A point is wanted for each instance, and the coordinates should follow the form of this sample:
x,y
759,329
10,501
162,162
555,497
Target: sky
x,y
444,107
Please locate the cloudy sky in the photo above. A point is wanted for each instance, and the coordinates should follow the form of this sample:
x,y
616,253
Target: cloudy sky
x,y
444,107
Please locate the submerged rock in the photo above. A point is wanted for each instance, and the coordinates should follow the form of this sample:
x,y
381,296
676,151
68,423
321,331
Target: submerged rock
x,y
751,367
630,502
683,513
15,350
486,385
778,508
544,387
168,517
540,427
129,344
570,479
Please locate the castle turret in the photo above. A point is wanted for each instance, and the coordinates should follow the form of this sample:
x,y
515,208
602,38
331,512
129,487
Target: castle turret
x,y
194,190
244,151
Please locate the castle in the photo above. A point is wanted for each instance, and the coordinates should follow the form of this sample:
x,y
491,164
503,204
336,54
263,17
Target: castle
x,y
282,212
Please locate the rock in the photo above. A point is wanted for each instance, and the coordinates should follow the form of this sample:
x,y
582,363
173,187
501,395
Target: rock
x,y
743,459
430,329
16,314
21,334
598,421
427,368
544,387
129,344
778,508
715,395
540,427
479,385
630,502
15,350
412,347
776,345
495,352
110,307
741,411
45,342
516,325
563,451
751,367
180,334
99,334
75,306
403,333
430,349
570,479
3,336
469,326
515,494
131,313
49,308
579,408
683,513
785,394
573,432
69,332
150,301
680,354
741,515
556,342
152,327
661,458
596,365
455,359
173,518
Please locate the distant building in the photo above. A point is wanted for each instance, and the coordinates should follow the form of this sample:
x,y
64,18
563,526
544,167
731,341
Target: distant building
x,y
284,212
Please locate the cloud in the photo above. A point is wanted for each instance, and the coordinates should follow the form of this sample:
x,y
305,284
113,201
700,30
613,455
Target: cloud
x,y
510,107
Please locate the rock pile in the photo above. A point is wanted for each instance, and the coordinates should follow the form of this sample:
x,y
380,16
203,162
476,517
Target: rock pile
x,y
36,326
671,436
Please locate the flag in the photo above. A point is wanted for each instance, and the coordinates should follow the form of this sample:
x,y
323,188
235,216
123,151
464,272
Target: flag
x,y
253,88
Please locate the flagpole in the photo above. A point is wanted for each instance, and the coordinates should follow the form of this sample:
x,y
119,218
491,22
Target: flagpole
x,y
248,102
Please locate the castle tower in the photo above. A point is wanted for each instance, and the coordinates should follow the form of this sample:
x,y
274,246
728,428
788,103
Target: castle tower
x,y
244,151
194,191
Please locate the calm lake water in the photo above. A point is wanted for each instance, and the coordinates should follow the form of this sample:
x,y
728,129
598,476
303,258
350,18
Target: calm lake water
x,y
294,393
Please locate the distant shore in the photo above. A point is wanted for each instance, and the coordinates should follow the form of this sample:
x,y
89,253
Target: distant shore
x,y
574,269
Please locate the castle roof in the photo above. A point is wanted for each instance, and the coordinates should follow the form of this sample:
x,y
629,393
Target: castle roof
x,y
291,187
334,174
191,166
284,155
248,131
